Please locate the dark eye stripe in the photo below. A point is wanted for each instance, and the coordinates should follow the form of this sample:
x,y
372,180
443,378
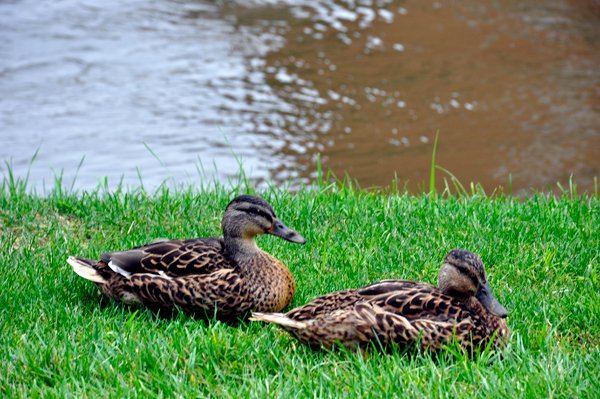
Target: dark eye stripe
x,y
468,273
258,212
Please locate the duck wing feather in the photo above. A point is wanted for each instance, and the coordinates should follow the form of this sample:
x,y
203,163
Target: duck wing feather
x,y
421,302
386,286
173,257
325,305
392,295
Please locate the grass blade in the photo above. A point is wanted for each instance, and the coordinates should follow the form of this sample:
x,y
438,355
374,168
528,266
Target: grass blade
x,y
432,177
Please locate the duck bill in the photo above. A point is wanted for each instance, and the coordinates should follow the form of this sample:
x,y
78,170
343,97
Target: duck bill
x,y
487,299
281,230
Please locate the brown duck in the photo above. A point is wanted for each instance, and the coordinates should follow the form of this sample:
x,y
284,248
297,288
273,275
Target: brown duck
x,y
228,276
404,313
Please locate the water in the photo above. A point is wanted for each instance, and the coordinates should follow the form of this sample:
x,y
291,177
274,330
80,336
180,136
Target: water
x,y
512,87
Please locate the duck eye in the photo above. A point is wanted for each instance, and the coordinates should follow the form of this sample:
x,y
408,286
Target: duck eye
x,y
253,210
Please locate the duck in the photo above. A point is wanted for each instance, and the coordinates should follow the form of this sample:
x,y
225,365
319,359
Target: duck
x,y
405,313
226,277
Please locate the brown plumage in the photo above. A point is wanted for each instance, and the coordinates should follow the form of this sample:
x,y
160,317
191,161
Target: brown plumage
x,y
404,313
228,276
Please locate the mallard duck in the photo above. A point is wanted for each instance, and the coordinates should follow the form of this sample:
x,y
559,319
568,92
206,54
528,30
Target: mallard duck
x,y
228,276
403,312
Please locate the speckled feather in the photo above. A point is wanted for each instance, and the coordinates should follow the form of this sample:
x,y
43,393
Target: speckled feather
x,y
400,312
201,275
174,257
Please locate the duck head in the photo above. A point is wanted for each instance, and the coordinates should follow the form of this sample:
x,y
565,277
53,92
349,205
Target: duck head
x,y
247,216
463,277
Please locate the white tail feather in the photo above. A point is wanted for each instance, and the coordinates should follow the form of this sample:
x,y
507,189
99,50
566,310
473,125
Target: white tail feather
x,y
278,318
85,271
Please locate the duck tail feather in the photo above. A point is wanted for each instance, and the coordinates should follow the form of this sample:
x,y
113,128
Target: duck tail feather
x,y
84,268
278,318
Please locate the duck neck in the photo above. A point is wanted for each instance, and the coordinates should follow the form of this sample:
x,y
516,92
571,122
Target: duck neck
x,y
241,249
271,282
470,302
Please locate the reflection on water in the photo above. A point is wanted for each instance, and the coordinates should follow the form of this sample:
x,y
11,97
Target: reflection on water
x,y
512,87
98,78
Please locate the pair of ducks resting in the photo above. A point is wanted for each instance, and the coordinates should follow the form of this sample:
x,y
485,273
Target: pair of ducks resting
x,y
232,277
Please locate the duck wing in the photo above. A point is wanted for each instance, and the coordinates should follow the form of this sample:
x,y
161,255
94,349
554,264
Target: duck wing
x,y
421,301
388,286
346,299
171,258
325,305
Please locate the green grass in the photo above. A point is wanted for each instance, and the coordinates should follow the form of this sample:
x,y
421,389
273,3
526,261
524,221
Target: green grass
x,y
60,338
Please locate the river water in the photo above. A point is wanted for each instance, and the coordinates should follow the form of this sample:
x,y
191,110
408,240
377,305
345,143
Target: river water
x,y
187,90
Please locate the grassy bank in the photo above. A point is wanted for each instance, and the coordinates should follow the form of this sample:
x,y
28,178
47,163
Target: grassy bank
x,y
60,338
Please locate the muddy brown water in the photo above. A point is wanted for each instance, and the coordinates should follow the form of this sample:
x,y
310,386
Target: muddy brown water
x,y
512,87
